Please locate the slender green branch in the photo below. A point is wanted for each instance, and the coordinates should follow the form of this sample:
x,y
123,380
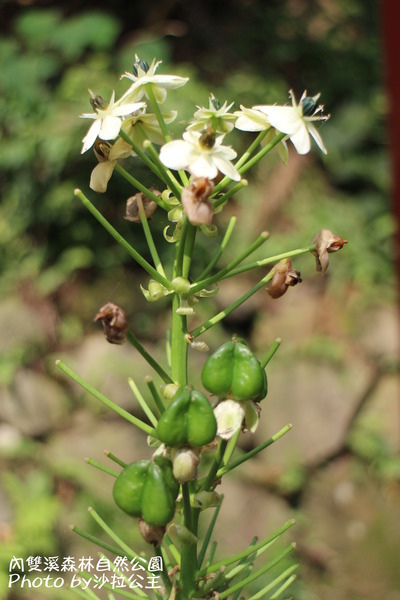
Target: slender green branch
x,y
223,245
115,459
251,453
109,403
262,593
142,155
139,186
209,479
101,467
188,551
156,396
122,241
270,352
149,239
208,535
173,549
168,176
99,542
251,149
164,572
128,551
188,250
155,106
179,345
236,557
223,313
267,261
264,235
231,447
241,584
148,412
257,157
148,358
229,193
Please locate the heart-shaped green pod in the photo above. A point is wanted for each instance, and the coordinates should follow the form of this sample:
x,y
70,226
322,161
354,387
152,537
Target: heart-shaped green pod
x,y
189,419
234,372
147,489
128,487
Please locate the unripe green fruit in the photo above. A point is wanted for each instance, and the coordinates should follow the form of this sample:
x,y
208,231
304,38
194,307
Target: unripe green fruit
x,y
147,489
189,419
234,372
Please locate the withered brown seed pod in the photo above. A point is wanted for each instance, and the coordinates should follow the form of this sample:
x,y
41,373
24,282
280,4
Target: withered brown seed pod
x,y
133,203
114,322
284,275
196,202
152,534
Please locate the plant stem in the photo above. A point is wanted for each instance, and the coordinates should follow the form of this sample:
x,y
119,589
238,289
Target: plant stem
x,y
122,241
149,238
148,358
223,245
267,261
155,106
156,396
101,467
168,176
229,193
223,313
141,154
179,345
270,353
188,551
138,185
148,412
115,459
251,453
224,272
129,552
109,403
257,157
97,541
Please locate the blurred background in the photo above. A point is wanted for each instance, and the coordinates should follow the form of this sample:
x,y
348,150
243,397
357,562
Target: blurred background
x,y
336,374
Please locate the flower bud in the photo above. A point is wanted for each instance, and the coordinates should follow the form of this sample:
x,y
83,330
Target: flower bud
x,y
181,285
155,292
326,243
184,463
152,534
169,390
283,276
133,206
196,201
229,415
114,322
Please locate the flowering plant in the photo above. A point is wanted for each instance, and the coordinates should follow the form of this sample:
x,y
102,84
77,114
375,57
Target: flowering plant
x,y
192,433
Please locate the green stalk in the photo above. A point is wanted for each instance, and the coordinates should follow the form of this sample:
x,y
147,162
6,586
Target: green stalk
x,y
122,241
142,155
270,353
271,259
207,537
148,358
97,541
101,467
256,142
188,250
138,185
223,245
128,551
262,593
209,480
148,412
179,345
115,459
257,157
229,193
264,235
257,574
156,396
223,313
247,551
188,551
109,403
156,108
231,447
168,176
251,453
149,238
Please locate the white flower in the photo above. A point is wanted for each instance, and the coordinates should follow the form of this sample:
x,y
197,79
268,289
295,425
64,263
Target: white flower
x,y
107,118
144,74
297,121
215,116
202,154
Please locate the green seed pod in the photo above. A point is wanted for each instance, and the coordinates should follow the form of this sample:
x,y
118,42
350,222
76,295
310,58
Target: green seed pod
x,y
128,487
189,419
147,489
159,493
234,372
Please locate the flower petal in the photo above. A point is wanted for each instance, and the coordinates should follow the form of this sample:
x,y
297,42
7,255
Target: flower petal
x,y
301,140
284,118
101,175
204,166
312,130
127,108
91,135
177,154
226,168
110,128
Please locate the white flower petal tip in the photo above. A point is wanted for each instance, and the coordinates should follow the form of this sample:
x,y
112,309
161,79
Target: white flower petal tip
x,y
229,415
143,74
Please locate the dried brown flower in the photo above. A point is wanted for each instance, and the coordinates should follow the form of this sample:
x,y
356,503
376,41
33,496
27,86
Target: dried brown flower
x,y
326,243
284,275
114,322
133,206
152,534
196,201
